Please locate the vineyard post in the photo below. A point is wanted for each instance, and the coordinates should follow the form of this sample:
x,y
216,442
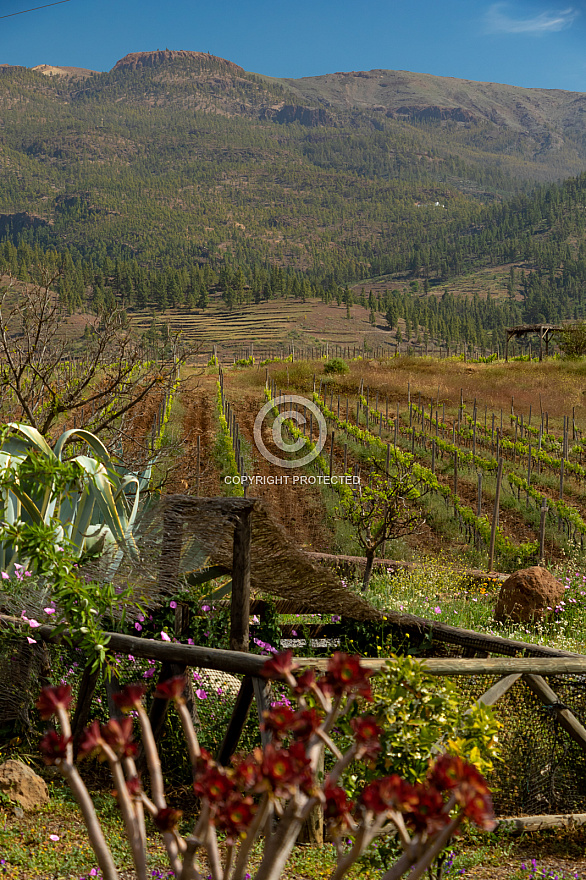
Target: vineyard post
x,y
413,441
408,393
311,427
388,457
455,473
314,383
331,456
197,464
396,425
497,495
542,519
345,457
433,456
561,479
304,421
479,503
528,472
338,406
358,411
387,411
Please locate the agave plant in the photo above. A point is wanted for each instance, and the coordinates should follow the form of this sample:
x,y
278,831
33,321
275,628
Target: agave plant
x,y
93,505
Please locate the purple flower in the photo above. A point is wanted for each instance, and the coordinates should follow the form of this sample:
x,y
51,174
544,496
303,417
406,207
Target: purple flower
x,y
201,694
205,607
137,626
172,604
165,637
437,609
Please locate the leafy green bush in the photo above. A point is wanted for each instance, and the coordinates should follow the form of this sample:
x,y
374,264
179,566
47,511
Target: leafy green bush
x,y
336,366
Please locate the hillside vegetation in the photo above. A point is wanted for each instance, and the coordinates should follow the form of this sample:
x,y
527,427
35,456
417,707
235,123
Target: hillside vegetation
x,y
178,183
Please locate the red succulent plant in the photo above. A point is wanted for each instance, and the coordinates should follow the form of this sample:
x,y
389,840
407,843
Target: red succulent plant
x,y
53,698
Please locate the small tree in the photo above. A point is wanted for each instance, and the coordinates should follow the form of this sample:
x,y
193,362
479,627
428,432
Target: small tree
x,y
383,510
44,379
573,340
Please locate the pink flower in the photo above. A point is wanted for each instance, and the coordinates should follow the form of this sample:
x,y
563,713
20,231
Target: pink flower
x,y
437,609
31,641
5,576
205,607
201,694
137,626
165,637
54,837
173,604
49,610
32,622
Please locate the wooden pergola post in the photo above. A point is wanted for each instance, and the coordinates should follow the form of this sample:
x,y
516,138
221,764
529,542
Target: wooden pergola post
x,y
240,606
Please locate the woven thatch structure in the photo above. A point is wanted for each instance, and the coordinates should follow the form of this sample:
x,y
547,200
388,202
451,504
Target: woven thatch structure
x,y
187,531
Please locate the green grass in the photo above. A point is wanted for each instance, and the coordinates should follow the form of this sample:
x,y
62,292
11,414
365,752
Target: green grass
x,y
438,590
27,851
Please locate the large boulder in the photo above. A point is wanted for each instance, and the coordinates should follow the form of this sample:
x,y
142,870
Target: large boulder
x,y
21,784
528,595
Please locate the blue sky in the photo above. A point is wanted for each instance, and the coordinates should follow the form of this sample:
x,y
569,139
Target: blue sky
x,y
539,44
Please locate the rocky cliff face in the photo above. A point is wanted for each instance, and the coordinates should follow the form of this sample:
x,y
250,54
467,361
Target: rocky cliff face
x,y
308,116
136,60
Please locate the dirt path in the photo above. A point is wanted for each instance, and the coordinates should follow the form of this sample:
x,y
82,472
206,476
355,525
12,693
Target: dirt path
x,y
198,406
299,508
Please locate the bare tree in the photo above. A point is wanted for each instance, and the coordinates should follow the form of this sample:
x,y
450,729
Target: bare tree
x,y
383,509
45,379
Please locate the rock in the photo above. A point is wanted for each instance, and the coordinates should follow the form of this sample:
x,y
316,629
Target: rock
x,y
526,595
21,784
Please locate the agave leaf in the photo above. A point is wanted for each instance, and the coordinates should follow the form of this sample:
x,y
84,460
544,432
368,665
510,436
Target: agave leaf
x,y
220,592
92,441
35,439
195,578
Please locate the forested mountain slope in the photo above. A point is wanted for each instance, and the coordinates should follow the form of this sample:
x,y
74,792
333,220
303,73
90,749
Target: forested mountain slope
x,y
179,156
178,175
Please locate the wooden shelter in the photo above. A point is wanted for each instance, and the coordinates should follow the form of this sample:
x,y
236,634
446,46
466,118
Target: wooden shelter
x,y
544,331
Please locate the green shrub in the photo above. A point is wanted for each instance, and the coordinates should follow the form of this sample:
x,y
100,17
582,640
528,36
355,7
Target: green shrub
x,y
336,365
